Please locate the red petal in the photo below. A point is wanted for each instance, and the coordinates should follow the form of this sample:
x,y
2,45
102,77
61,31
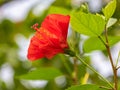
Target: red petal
x,y
34,52
57,24
50,38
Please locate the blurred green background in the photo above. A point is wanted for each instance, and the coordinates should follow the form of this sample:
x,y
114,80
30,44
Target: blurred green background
x,y
16,18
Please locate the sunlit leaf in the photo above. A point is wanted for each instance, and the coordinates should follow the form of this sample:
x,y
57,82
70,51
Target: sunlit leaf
x,y
109,9
88,24
41,74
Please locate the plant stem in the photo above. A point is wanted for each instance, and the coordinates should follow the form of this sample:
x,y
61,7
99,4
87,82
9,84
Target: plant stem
x,y
102,40
117,59
66,64
105,88
111,61
75,76
91,68
118,67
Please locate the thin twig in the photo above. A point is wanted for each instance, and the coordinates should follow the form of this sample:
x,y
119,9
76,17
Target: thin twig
x,y
111,61
92,69
75,76
66,64
117,59
118,67
102,40
106,88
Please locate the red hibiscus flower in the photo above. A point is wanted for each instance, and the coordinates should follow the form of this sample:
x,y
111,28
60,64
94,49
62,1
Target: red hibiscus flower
x,y
50,39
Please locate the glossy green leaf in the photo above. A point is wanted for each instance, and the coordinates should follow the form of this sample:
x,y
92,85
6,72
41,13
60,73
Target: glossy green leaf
x,y
86,87
94,43
88,24
111,22
109,9
58,10
42,74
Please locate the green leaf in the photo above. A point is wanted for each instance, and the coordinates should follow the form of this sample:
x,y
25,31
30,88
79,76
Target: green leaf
x,y
94,43
109,9
62,3
86,87
88,24
111,22
58,10
41,74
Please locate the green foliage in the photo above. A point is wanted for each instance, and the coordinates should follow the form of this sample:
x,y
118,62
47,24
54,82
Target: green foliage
x,y
116,14
109,9
86,87
4,2
111,22
82,22
42,74
88,24
58,10
98,44
62,3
